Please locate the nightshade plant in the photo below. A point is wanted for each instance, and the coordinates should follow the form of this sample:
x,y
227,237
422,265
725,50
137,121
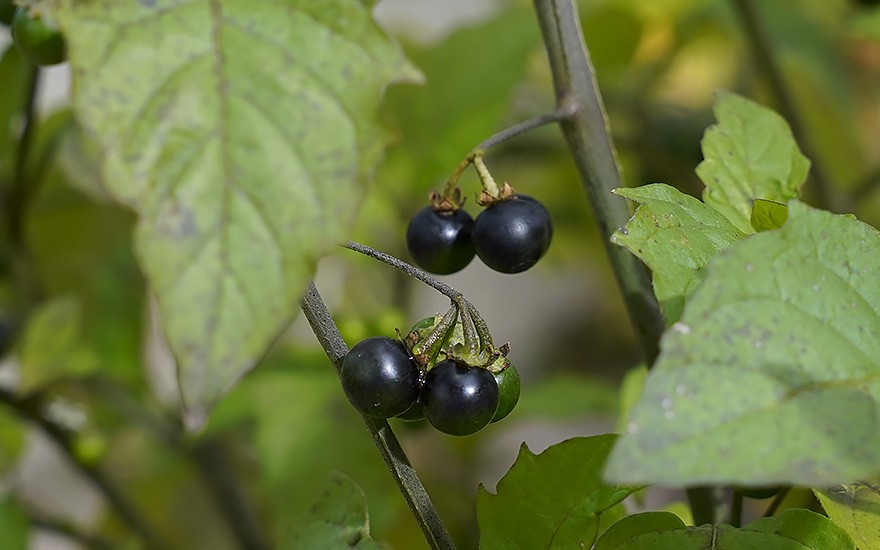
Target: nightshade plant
x,y
241,135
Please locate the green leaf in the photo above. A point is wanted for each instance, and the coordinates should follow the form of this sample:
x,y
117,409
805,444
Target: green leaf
x,y
12,439
14,525
52,346
630,392
771,376
793,529
855,508
749,154
242,139
767,215
337,520
555,499
675,235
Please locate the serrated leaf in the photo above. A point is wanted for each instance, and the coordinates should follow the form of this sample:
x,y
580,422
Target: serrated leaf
x,y
793,529
241,133
855,508
675,235
749,154
52,346
337,520
774,362
768,215
555,499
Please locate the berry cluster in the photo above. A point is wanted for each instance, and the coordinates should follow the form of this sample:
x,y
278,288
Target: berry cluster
x,y
387,378
510,236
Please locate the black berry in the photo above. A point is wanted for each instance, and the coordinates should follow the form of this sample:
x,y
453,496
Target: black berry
x,y
458,399
379,378
440,241
512,235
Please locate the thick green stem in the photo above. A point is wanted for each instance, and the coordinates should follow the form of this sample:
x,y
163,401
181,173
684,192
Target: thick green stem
x,y
395,459
589,138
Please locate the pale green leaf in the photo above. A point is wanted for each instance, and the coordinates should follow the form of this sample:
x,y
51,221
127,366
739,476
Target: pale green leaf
x,y
767,215
52,345
675,235
855,508
771,376
630,392
242,134
749,154
793,529
337,520
555,499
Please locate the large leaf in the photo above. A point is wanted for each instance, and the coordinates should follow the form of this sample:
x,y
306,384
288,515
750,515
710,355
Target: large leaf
x,y
552,500
241,133
793,529
337,520
855,508
749,154
675,235
772,375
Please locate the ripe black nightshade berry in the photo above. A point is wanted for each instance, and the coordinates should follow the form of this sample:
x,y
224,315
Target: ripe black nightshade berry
x,y
440,241
379,378
512,235
459,399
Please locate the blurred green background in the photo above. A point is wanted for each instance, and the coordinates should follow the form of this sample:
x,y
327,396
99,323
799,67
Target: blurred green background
x,y
94,355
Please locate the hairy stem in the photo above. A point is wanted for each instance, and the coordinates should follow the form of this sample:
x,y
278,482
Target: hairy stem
x,y
589,139
30,409
410,270
404,474
499,138
763,52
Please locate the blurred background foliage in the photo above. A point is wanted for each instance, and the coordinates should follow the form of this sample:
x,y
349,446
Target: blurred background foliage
x,y
88,355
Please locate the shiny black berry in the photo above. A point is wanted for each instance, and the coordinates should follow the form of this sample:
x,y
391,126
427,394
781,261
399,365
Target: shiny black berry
x,y
458,399
440,241
379,378
509,385
512,235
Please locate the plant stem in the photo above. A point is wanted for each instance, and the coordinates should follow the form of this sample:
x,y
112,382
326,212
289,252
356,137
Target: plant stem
x,y
410,270
398,464
489,185
736,508
499,138
30,408
776,502
587,133
213,465
763,52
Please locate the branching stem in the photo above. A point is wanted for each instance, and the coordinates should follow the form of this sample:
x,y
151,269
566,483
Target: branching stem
x,y
508,133
587,133
395,459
